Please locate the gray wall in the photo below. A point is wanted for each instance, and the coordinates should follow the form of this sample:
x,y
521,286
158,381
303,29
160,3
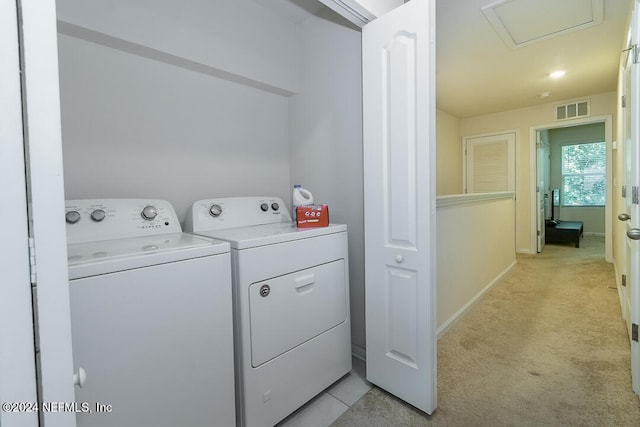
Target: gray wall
x,y
190,100
176,100
134,127
326,139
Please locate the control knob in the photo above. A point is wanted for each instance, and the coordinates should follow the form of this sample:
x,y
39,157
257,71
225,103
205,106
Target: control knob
x,y
98,215
215,210
264,207
149,213
275,206
72,217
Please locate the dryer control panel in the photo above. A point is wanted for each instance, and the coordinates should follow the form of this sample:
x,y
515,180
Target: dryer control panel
x,y
90,220
232,212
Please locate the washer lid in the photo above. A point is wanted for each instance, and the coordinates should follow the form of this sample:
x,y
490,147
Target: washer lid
x,y
107,256
269,234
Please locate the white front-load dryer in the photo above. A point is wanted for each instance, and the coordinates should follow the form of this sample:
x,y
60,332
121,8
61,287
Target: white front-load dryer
x,y
151,317
291,300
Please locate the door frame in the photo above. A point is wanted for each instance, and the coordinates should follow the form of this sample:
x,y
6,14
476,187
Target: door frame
x,y
17,352
533,180
632,173
45,188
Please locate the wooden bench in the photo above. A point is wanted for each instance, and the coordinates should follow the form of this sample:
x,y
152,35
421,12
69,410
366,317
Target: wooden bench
x,y
564,231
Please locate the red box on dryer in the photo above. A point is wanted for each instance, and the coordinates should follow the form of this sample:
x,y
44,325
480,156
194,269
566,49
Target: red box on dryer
x,y
312,216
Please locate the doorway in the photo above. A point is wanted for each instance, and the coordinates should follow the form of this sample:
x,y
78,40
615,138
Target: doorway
x,y
574,132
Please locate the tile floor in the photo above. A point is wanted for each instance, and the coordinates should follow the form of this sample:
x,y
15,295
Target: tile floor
x,y
325,408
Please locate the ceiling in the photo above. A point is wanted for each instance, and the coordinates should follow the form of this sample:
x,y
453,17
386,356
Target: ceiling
x,y
481,69
477,72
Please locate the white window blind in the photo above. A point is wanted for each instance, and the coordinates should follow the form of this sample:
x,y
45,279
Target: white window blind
x,y
584,178
490,163
490,167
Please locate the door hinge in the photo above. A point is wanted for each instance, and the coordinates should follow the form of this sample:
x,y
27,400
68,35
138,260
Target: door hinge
x,y
623,101
624,191
32,260
624,280
634,195
634,332
539,233
636,53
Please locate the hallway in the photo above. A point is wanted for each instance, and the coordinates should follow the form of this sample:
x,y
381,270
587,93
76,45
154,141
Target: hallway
x,y
545,347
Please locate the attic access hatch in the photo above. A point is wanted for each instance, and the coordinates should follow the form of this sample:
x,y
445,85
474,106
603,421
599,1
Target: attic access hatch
x,y
523,22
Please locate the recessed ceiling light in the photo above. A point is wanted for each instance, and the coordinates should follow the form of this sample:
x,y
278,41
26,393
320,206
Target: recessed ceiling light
x,y
557,74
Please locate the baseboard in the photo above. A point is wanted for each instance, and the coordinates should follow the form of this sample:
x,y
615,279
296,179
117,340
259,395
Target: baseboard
x,y
460,313
359,352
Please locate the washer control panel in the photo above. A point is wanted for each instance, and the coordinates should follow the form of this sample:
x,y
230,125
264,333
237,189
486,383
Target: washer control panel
x,y
232,212
91,220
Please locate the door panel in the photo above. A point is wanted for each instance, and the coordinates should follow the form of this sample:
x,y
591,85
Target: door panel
x,y
402,289
300,306
399,164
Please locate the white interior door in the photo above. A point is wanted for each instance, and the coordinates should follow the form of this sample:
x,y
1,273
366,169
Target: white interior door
x,y
17,352
399,197
633,208
542,187
490,163
625,297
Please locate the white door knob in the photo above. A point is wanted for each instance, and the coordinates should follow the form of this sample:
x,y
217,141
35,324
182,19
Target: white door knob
x,y
80,377
399,258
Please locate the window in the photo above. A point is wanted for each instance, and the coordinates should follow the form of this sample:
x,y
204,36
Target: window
x,y
584,177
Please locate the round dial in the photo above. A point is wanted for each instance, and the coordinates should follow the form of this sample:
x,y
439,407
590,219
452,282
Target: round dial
x,y
149,213
264,207
215,210
275,206
72,217
98,215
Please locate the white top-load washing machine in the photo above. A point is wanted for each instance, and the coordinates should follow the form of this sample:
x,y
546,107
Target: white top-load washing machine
x,y
151,317
291,301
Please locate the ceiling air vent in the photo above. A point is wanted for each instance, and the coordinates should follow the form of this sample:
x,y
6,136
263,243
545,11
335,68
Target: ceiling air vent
x,y
572,110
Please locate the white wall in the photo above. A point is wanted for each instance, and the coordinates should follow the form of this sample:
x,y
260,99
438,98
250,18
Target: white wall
x,y
523,119
467,267
326,139
448,154
140,127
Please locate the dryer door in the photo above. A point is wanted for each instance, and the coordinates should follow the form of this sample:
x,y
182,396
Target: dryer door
x,y
289,310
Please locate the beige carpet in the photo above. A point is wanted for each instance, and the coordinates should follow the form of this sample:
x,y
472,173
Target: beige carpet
x,y
545,347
